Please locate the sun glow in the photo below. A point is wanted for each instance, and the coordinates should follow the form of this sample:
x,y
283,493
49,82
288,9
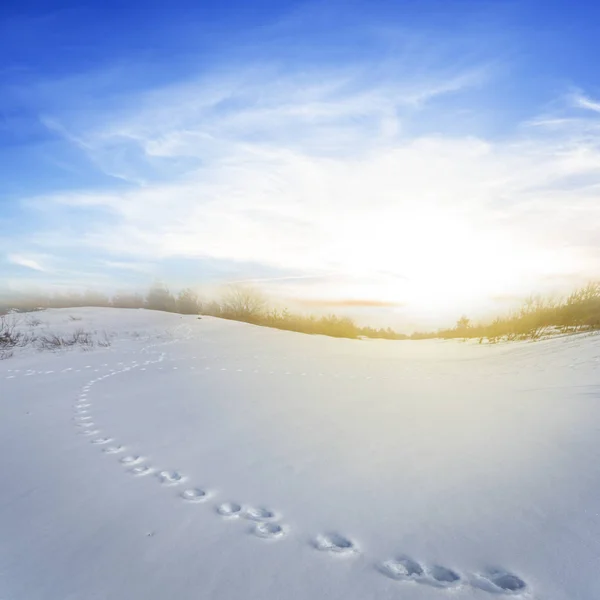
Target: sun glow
x,y
433,266
436,261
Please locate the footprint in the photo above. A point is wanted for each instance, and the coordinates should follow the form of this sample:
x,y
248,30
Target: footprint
x,y
269,531
260,514
141,470
89,432
194,495
334,542
443,577
131,459
82,418
104,440
86,424
170,477
113,449
229,510
500,581
402,568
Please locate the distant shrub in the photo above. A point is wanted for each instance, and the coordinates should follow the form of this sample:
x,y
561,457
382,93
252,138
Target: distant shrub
x,y
188,302
33,321
536,318
159,298
127,300
104,341
242,303
53,341
10,335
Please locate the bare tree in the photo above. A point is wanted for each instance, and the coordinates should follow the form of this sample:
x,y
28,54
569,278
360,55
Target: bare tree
x,y
159,298
243,303
463,323
188,302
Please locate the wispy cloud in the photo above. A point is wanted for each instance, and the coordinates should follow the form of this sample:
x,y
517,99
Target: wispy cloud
x,y
138,267
259,280
25,261
350,303
586,102
339,171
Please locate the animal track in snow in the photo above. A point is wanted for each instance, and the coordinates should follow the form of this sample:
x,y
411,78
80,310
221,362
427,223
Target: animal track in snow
x,y
194,495
131,459
139,470
113,449
229,509
334,542
170,477
265,521
402,568
443,577
269,530
259,514
500,581
406,569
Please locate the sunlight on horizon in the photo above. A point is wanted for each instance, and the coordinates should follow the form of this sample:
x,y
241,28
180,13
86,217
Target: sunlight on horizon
x,y
370,178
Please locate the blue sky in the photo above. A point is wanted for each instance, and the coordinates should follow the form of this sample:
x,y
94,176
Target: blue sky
x,y
441,157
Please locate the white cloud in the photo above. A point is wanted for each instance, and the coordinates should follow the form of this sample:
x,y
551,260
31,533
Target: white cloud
x,y
318,175
127,266
25,261
585,102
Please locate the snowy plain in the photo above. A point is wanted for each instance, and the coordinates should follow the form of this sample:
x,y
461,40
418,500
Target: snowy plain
x,y
203,458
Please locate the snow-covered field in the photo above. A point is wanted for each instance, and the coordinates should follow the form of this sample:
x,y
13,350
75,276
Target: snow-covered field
x,y
213,459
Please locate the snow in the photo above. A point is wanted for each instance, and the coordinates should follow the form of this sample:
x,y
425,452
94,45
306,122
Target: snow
x,y
212,459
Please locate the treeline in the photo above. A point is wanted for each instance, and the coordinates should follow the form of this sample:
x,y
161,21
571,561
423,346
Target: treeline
x,y
236,303
243,304
536,318
157,298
